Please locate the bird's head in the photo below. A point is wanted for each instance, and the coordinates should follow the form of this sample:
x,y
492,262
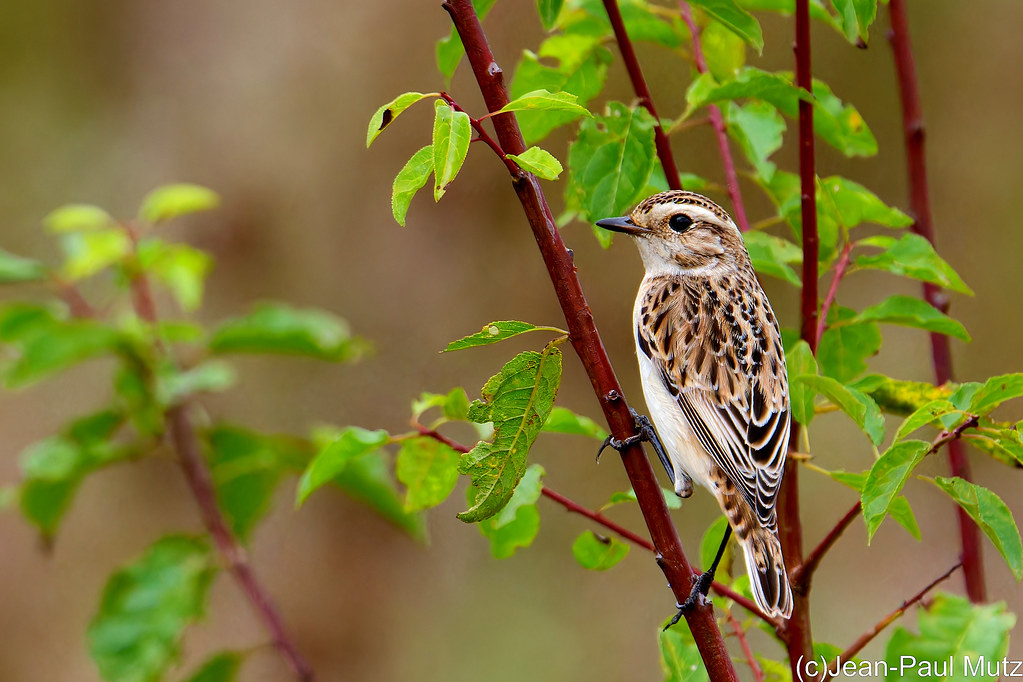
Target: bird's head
x,y
679,231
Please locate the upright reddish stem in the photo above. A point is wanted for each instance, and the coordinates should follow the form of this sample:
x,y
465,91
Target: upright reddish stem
x,y
639,85
941,353
588,345
717,121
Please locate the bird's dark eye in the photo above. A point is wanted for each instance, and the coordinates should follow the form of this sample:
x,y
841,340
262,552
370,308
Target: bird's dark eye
x,y
680,222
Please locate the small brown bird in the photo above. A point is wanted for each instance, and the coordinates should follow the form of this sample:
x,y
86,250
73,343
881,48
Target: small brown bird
x,y
713,372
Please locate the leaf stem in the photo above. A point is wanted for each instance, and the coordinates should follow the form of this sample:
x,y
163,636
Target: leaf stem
x,y
866,637
484,137
841,268
914,134
642,91
718,123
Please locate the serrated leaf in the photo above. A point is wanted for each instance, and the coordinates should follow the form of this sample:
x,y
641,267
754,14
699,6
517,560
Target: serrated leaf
x,y
280,328
410,179
861,407
854,204
171,201
994,392
146,606
78,218
951,629
452,132
680,657
383,116
222,667
14,269
912,312
332,459
544,100
549,11
925,414
856,16
737,19
87,253
840,124
773,255
518,401
564,420
539,162
799,361
179,267
429,471
993,517
611,162
497,331
598,553
517,524
758,128
886,479
911,256
844,349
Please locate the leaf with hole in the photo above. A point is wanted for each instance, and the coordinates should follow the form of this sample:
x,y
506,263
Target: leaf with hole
x,y
498,331
386,114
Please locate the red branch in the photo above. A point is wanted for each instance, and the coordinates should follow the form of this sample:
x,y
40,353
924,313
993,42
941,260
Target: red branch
x,y
840,267
941,353
718,122
740,634
588,345
804,574
598,518
639,85
866,637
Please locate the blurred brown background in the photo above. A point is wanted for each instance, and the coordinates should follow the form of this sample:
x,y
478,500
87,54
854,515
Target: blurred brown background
x,y
267,103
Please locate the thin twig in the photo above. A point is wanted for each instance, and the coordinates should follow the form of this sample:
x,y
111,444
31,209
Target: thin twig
x,y
718,122
840,268
477,125
866,637
602,520
639,85
941,352
804,573
740,634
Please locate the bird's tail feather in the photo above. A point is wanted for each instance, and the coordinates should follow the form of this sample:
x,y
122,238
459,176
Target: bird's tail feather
x,y
766,567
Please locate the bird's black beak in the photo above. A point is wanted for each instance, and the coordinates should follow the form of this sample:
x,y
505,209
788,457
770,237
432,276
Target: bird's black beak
x,y
623,224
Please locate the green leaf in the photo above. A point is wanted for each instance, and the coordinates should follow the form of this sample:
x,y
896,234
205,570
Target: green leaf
x,y
429,471
844,349
861,407
951,629
900,510
598,553
517,524
800,362
549,11
14,269
518,401
171,201
564,420
539,162
279,328
146,606
993,517
886,479
711,542
543,100
925,414
367,478
732,15
247,467
452,132
912,312
611,162
581,70
773,255
179,267
758,128
839,124
449,48
87,253
900,397
332,459
994,392
856,16
220,668
671,500
383,116
53,469
911,256
1005,445
723,50
410,179
454,405
854,204
776,89
497,331
680,657
78,218
175,385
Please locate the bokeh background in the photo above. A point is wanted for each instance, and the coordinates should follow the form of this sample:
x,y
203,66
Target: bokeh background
x,y
267,103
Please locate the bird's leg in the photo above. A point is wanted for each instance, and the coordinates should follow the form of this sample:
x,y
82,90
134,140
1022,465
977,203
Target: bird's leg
x,y
701,585
647,433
